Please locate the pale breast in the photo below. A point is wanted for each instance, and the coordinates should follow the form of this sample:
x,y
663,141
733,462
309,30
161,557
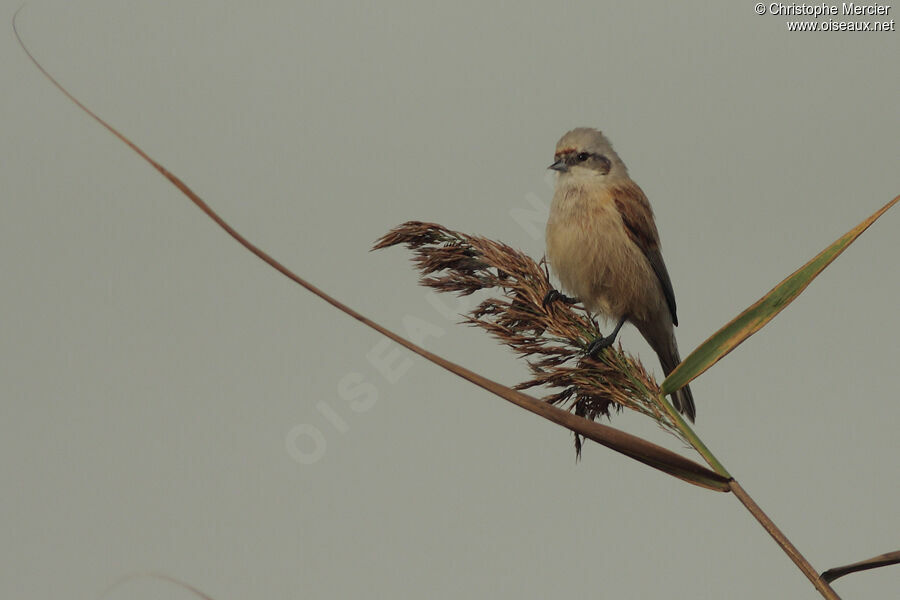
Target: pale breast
x,y
595,260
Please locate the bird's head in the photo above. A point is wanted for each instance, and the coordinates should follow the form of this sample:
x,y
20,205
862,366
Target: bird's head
x,y
585,152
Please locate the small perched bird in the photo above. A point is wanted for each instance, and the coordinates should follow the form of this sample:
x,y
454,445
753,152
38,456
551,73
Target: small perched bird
x,y
603,246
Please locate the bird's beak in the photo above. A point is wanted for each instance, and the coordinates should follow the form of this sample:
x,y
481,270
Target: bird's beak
x,y
560,166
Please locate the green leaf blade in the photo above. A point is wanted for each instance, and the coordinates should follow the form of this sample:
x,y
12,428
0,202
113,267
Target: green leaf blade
x,y
762,311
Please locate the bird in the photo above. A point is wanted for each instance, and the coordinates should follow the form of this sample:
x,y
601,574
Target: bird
x,y
603,246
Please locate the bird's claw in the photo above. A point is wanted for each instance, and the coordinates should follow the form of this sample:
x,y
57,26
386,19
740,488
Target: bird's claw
x,y
600,343
551,297
555,295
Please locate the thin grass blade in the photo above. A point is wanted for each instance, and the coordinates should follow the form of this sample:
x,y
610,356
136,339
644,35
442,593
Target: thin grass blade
x,y
764,310
891,558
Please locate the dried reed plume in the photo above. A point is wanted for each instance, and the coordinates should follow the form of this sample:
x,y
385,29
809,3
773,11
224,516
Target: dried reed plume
x,y
552,338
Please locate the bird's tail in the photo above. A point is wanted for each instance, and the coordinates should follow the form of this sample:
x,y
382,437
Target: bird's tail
x,y
663,342
683,399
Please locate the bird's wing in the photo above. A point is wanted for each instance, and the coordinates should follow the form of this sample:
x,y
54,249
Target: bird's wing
x,y
638,219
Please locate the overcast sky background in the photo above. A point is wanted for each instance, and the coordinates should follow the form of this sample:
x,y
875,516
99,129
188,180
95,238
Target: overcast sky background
x,y
171,404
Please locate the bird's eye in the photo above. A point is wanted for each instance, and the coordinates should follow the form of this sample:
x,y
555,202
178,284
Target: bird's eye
x,y
582,156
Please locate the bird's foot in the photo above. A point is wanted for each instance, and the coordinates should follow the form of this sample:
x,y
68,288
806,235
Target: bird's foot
x,y
600,343
554,296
